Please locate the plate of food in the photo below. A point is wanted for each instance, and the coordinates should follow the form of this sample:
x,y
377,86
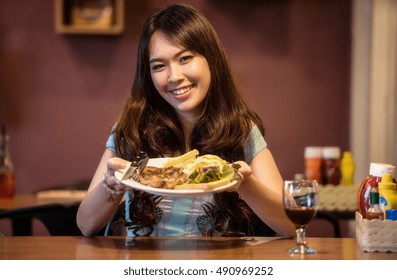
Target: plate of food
x,y
186,175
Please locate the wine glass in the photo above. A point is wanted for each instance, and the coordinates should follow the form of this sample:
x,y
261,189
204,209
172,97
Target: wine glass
x,y
300,199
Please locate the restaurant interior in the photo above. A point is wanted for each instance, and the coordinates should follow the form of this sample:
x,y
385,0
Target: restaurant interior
x,y
319,73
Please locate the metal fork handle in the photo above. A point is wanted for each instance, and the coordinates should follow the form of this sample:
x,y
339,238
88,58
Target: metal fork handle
x,y
135,175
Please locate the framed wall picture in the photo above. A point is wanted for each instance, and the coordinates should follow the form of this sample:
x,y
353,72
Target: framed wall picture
x,y
95,17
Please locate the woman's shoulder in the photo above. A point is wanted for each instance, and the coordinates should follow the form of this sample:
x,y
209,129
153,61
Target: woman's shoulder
x,y
110,143
254,144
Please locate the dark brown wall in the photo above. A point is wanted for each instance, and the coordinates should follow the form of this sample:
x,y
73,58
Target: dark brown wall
x,y
59,95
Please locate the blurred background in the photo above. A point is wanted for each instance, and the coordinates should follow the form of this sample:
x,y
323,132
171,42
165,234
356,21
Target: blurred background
x,y
319,73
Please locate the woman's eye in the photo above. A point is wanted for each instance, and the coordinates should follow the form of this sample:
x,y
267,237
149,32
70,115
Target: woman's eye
x,y
157,67
186,58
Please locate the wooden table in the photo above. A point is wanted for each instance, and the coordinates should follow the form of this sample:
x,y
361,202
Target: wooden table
x,y
177,248
23,208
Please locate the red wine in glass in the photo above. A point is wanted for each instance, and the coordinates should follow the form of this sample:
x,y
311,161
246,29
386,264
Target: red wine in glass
x,y
300,198
301,216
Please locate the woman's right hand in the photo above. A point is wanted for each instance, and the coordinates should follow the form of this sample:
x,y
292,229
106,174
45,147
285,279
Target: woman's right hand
x,y
114,164
101,201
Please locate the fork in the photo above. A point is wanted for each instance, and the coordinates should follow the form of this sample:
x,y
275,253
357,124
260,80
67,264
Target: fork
x,y
133,172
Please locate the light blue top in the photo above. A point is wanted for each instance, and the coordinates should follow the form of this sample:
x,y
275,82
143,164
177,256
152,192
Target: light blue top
x,y
184,216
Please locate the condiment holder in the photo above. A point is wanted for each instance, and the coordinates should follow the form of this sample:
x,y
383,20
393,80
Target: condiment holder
x,y
376,235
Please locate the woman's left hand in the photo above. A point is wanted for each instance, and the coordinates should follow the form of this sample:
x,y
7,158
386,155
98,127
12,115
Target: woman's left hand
x,y
244,171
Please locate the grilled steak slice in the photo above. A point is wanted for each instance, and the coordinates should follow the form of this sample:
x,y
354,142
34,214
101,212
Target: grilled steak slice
x,y
162,177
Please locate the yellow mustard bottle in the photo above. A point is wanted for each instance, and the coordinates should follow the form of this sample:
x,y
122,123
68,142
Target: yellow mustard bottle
x,y
347,169
387,193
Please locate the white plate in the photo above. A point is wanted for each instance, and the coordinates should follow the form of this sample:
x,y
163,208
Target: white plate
x,y
158,162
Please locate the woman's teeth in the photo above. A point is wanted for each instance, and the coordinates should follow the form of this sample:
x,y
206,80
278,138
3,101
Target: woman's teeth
x,y
181,91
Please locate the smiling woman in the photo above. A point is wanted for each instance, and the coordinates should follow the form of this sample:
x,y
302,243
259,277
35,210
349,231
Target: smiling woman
x,y
184,97
180,76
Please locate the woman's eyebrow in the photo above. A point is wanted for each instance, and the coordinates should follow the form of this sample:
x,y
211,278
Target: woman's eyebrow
x,y
159,59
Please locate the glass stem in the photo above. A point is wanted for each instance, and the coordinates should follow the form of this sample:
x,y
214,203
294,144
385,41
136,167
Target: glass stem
x,y
301,236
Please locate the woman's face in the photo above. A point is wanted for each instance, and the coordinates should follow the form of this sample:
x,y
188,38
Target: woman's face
x,y
180,76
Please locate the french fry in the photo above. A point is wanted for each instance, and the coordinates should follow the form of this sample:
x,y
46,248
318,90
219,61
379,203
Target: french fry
x,y
182,160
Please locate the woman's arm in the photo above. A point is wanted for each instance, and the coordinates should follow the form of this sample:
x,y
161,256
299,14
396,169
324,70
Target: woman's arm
x,y
262,190
96,209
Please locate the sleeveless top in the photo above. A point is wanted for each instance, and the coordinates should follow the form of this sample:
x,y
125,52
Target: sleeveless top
x,y
185,216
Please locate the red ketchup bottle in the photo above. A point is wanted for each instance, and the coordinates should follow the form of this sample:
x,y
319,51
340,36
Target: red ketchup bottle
x,y
376,172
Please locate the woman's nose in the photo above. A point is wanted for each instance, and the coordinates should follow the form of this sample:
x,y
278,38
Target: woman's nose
x,y
175,74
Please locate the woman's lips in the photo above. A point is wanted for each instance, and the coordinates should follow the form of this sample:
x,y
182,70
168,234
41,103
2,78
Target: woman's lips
x,y
181,91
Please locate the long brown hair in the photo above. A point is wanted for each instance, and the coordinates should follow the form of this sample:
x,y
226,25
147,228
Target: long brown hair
x,y
148,123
